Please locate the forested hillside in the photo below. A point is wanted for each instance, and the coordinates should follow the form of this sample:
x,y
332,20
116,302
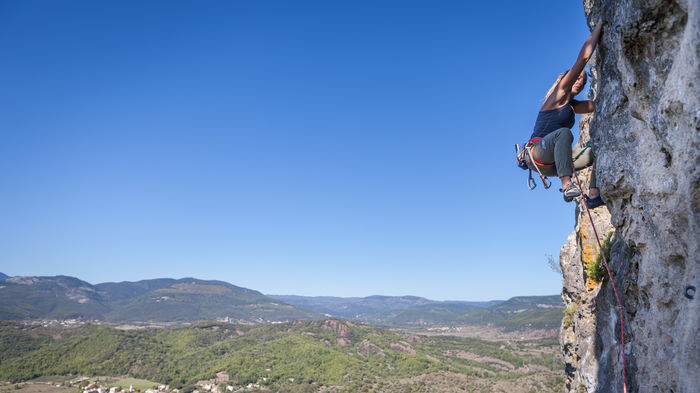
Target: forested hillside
x,y
161,300
522,312
301,356
191,299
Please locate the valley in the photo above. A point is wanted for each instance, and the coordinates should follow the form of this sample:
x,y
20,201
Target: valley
x,y
301,356
63,335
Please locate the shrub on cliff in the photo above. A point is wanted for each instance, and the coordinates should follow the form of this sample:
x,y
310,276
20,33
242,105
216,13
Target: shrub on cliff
x,y
596,270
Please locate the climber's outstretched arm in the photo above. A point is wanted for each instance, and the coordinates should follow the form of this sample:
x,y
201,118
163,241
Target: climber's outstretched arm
x,y
583,106
586,52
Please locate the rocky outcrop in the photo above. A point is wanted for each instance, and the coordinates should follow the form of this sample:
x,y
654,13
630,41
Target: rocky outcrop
x,y
646,136
402,347
341,328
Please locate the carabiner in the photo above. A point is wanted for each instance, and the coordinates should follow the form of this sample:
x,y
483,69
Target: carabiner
x,y
531,183
546,183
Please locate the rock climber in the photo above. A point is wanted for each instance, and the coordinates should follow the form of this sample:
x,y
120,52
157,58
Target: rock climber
x,y
552,132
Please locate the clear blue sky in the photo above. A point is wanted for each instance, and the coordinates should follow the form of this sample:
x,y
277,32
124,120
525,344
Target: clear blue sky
x,y
343,148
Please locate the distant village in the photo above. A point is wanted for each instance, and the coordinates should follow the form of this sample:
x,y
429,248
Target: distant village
x,y
220,384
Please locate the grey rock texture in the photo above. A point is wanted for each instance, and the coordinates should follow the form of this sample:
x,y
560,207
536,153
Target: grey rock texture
x,y
589,334
646,136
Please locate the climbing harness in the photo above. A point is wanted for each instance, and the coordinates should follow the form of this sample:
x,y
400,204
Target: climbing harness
x,y
527,161
605,261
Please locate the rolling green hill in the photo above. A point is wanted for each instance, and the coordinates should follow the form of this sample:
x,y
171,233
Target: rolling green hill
x,y
429,314
115,291
529,303
377,308
522,312
536,312
160,300
358,308
299,356
59,297
190,299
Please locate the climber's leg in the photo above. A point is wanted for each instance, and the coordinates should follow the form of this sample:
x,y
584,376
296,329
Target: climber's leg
x,y
593,199
561,140
584,160
593,190
556,147
543,151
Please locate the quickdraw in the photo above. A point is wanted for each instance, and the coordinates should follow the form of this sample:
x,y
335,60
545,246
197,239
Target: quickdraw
x,y
525,156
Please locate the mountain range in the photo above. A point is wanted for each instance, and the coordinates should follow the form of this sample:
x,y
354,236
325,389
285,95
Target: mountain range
x,y
159,300
191,299
369,308
540,312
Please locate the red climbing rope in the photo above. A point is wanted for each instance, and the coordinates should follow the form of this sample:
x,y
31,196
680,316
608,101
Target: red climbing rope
x,y
602,253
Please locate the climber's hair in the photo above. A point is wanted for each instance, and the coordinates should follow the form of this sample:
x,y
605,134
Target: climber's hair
x,y
554,86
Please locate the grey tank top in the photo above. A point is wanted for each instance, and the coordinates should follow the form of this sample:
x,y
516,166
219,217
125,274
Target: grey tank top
x,y
554,119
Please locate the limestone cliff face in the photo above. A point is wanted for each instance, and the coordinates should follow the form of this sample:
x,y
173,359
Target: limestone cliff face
x,y
646,135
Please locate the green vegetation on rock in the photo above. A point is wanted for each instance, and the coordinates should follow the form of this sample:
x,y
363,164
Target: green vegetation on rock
x,y
596,270
569,314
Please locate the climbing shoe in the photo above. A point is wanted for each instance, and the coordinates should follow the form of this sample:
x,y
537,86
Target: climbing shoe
x,y
592,203
570,192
